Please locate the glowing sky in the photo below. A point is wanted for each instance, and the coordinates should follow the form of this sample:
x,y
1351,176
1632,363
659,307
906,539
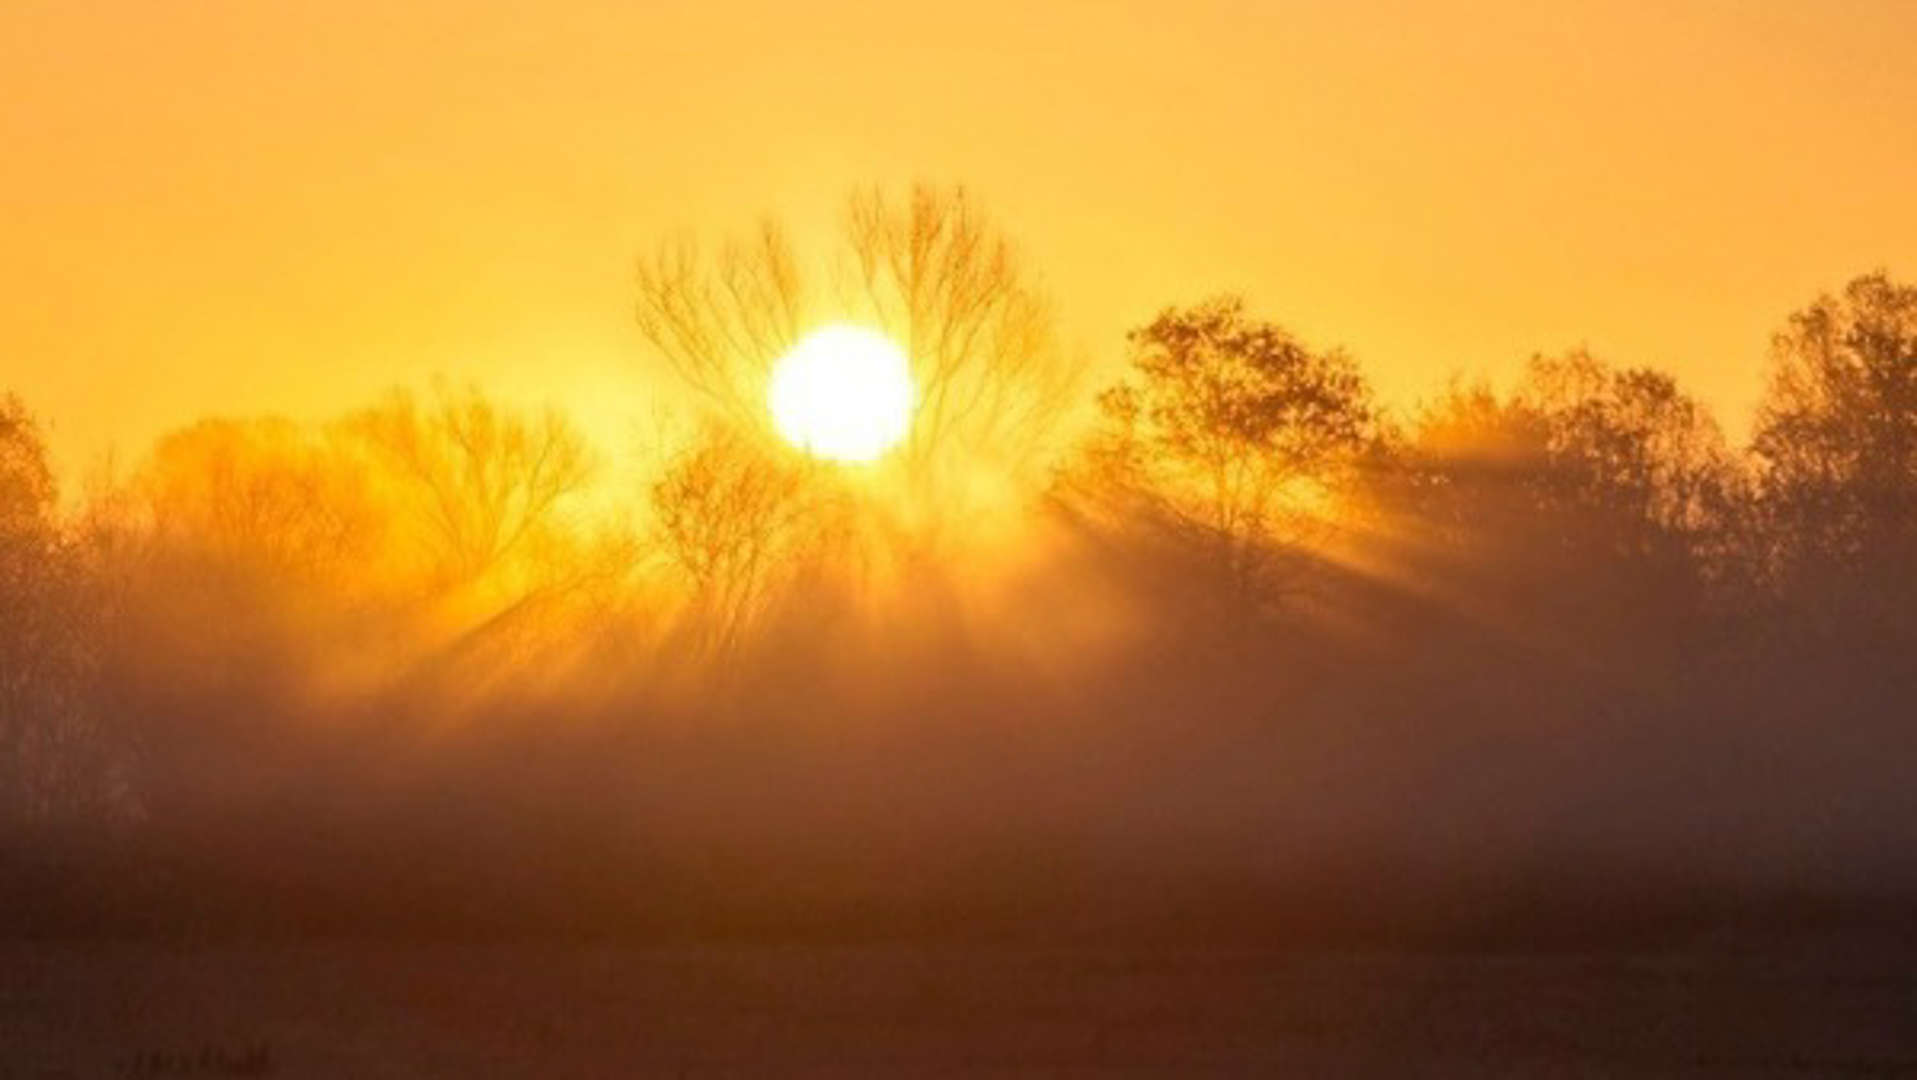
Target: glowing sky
x,y
238,206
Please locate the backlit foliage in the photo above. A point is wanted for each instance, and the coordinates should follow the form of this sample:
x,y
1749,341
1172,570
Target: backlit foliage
x,y
733,519
57,754
1589,504
1233,435
1836,445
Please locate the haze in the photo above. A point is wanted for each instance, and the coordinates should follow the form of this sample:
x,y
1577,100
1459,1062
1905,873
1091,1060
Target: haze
x,y
244,208
611,538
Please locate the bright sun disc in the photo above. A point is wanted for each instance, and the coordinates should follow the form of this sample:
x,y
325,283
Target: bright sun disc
x,y
843,393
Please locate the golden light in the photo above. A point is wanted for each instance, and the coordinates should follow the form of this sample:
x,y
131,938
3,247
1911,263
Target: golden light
x,y
844,393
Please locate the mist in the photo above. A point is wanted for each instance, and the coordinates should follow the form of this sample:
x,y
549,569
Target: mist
x,y
1219,643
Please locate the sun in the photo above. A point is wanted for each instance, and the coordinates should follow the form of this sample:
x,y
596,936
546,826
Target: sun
x,y
844,393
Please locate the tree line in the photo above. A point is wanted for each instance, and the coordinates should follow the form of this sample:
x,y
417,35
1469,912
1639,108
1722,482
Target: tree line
x,y
1234,509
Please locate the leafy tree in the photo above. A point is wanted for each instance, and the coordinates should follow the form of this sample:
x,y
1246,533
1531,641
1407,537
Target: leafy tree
x,y
1836,446
1231,435
1643,457
1590,505
27,493
932,272
55,754
732,519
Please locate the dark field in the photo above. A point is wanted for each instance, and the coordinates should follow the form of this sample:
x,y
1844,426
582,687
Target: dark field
x,y
1833,1006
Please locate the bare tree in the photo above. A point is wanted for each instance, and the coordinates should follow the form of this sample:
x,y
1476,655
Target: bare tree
x,y
933,273
263,495
56,756
27,491
731,518
721,324
479,484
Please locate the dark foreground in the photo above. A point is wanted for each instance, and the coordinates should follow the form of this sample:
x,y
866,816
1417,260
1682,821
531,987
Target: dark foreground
x,y
1831,1006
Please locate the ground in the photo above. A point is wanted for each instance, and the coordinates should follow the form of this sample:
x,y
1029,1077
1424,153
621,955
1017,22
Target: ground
x,y
385,1010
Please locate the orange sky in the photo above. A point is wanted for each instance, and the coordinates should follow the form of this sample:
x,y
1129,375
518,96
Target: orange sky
x,y
239,206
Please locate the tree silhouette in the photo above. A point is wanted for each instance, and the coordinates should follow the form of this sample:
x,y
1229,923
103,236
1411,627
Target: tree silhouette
x,y
1232,435
27,490
264,496
932,272
479,484
720,324
1836,445
55,754
1645,458
936,275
